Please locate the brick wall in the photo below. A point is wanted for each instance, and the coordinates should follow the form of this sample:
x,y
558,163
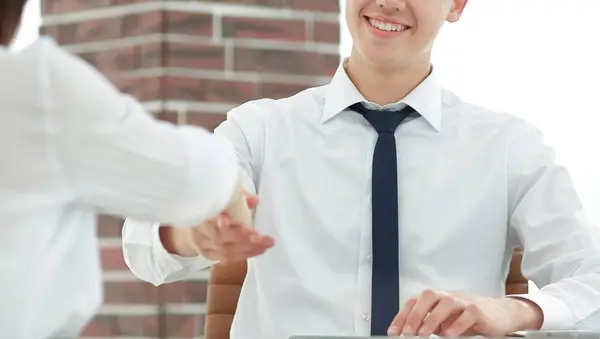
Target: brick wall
x,y
189,62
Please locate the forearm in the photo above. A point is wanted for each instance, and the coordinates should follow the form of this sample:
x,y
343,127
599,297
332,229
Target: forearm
x,y
175,175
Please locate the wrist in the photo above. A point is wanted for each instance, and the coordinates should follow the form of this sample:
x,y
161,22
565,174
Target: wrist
x,y
528,315
177,241
237,209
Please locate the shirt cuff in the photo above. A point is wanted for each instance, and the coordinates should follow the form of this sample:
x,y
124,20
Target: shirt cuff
x,y
557,314
168,263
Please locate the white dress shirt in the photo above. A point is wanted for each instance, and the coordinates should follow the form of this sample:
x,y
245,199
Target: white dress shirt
x,y
72,145
472,185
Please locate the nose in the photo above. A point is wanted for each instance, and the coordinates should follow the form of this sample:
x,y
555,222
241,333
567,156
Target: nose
x,y
391,4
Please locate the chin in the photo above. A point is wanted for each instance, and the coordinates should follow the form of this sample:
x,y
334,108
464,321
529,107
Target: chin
x,y
379,57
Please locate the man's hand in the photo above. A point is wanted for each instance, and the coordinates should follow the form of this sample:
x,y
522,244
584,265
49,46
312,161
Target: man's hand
x,y
461,314
220,239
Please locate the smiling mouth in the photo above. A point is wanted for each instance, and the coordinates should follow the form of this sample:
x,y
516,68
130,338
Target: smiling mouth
x,y
386,26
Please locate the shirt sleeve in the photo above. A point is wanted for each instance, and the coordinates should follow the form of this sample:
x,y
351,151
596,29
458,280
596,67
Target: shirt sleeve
x,y
244,127
116,157
147,258
145,254
561,245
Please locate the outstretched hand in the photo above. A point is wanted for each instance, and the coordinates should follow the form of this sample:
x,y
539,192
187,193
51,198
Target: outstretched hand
x,y
220,239
225,239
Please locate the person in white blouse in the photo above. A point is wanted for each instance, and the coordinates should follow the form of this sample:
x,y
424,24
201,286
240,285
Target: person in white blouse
x,y
471,185
73,146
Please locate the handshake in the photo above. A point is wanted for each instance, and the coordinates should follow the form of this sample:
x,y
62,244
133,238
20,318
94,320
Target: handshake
x,y
225,238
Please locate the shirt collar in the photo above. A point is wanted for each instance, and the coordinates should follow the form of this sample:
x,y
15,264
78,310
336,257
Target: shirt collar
x,y
426,98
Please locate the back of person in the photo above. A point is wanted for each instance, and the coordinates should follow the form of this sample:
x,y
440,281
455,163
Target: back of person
x,y
38,210
74,146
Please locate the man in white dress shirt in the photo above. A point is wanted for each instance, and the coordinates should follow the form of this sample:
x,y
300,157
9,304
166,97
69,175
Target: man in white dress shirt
x,y
471,184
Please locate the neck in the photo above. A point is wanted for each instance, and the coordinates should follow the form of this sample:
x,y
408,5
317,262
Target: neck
x,y
385,85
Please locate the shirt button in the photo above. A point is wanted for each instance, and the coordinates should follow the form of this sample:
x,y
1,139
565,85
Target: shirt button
x,y
370,258
365,317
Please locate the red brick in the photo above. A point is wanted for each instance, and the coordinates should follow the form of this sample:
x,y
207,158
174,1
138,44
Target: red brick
x,y
210,121
89,31
207,120
184,326
113,326
110,61
330,6
197,24
265,3
184,292
184,88
142,88
65,6
150,56
130,292
195,56
46,6
278,91
142,24
253,28
51,31
114,60
109,227
285,62
326,32
168,116
128,2
112,258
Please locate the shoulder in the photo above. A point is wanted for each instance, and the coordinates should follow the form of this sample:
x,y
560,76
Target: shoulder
x,y
78,96
71,68
476,118
520,141
53,56
58,69
304,105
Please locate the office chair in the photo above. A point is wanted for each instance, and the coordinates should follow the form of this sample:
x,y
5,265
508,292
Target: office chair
x,y
226,282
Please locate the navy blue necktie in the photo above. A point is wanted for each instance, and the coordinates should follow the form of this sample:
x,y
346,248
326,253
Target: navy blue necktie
x,y
385,286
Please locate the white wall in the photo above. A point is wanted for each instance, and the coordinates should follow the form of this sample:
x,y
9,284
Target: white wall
x,y
539,59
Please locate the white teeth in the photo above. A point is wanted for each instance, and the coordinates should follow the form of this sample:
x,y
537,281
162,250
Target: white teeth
x,y
386,26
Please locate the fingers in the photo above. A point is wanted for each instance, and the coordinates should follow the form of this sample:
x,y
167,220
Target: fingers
x,y
252,201
469,317
425,304
221,240
436,313
209,232
399,321
446,308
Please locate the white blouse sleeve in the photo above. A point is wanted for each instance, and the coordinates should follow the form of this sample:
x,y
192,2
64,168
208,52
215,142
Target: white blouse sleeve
x,y
116,157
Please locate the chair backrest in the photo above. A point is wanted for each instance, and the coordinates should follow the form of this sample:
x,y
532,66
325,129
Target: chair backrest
x,y
226,282
516,283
